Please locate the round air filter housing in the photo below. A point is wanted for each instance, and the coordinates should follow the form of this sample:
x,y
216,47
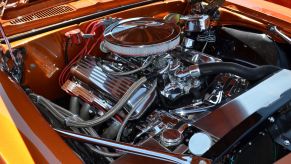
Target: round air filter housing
x,y
141,36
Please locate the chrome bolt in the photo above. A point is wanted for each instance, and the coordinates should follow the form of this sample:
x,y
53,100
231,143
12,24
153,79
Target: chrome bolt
x,y
202,162
32,66
271,119
286,142
262,133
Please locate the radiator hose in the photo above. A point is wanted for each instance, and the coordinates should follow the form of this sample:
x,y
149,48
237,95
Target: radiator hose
x,y
248,73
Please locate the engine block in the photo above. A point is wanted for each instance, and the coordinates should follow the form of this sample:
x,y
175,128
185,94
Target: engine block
x,y
107,89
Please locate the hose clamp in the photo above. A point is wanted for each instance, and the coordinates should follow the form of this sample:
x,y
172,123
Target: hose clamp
x,y
194,70
191,71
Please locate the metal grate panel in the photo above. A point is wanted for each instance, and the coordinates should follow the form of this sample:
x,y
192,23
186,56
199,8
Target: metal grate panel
x,y
53,11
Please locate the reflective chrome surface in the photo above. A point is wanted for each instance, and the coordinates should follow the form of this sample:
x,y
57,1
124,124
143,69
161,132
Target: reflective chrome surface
x,y
196,23
216,96
167,127
281,34
112,88
175,86
179,87
188,42
193,56
225,118
87,71
191,109
132,149
141,37
181,78
199,143
191,71
171,137
80,90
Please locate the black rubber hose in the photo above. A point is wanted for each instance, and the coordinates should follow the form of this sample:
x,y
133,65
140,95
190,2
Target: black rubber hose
x,y
248,73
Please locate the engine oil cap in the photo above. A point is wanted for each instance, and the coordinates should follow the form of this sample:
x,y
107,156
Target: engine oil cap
x,y
171,137
199,143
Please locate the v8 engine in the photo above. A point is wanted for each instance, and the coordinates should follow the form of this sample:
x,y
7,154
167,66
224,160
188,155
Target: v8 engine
x,y
152,86
158,84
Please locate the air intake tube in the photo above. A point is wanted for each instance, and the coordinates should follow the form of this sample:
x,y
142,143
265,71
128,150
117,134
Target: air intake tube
x,y
248,73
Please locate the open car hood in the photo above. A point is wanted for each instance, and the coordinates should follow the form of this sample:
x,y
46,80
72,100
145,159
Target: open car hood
x,y
271,12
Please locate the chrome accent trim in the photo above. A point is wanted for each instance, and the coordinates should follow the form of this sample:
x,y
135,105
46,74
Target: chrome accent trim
x,y
254,101
110,87
142,36
191,71
143,50
137,150
281,34
196,23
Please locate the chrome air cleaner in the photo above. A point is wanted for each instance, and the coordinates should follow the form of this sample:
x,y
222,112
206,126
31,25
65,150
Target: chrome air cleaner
x,y
141,37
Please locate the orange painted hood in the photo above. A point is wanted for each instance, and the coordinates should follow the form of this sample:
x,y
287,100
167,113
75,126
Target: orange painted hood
x,y
11,142
271,12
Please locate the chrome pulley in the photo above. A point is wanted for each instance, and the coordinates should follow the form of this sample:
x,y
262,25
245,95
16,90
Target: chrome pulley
x,y
141,37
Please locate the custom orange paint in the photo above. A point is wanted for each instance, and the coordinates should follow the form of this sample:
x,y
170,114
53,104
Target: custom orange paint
x,y
22,125
11,143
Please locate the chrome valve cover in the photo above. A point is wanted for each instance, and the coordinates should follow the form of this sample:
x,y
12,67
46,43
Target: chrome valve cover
x,y
107,87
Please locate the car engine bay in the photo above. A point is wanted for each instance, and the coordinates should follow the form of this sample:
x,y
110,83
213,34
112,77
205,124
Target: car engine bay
x,y
170,85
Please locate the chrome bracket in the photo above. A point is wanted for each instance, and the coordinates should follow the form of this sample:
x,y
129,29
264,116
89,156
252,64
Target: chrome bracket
x,y
281,34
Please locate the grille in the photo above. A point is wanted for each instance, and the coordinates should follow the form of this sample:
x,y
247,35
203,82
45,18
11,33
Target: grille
x,y
53,11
